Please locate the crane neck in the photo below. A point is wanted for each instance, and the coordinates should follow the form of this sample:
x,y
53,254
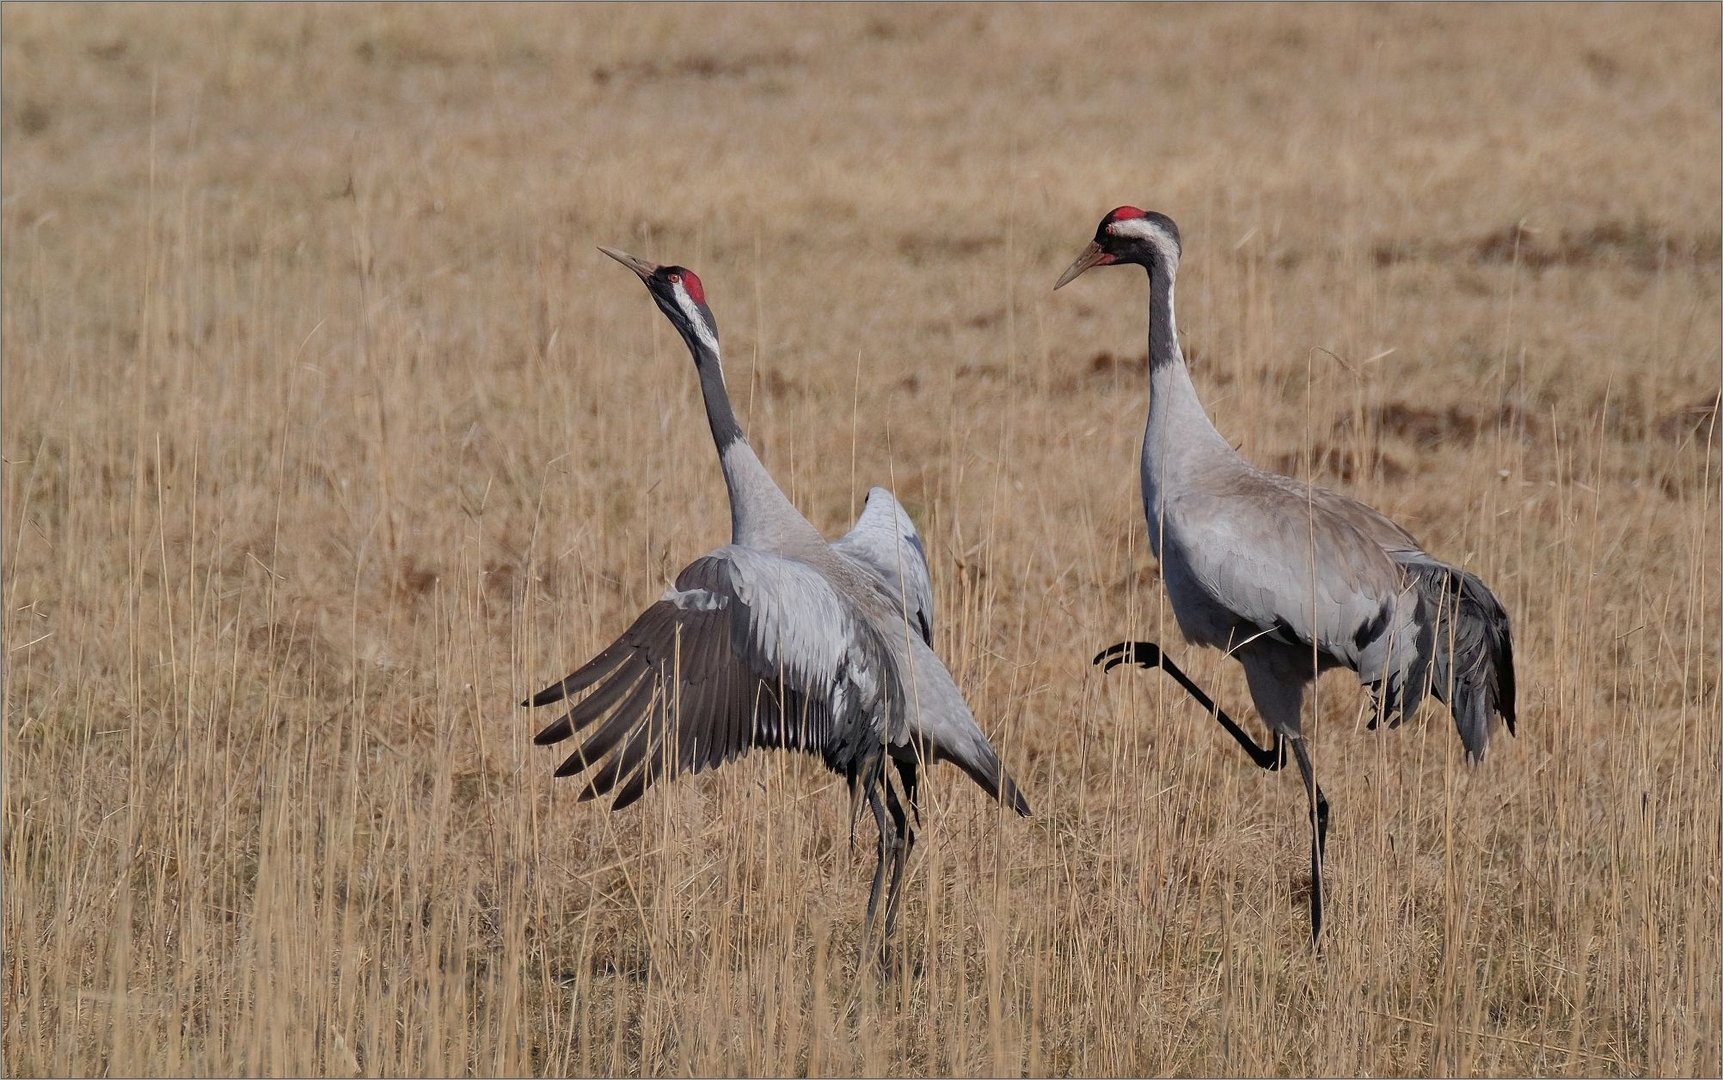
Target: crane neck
x,y
1173,397
761,515
1163,329
720,415
1179,435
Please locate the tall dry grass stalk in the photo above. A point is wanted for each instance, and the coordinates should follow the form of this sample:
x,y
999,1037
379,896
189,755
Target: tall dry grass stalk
x,y
327,434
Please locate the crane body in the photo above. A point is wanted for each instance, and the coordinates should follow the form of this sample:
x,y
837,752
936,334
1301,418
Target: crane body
x,y
777,639
1288,578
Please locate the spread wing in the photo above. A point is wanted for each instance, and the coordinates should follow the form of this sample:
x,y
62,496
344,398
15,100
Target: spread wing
x,y
884,539
746,649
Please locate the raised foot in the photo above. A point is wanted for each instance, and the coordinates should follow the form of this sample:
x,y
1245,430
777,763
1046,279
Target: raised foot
x,y
1142,653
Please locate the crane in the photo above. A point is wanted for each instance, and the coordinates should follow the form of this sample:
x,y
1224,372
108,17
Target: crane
x,y
777,639
1287,578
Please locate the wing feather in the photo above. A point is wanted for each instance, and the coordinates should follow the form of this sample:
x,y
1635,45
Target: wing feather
x,y
595,669
1305,567
594,705
746,649
884,540
640,741
613,730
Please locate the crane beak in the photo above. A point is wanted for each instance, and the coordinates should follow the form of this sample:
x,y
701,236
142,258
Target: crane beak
x,y
1092,256
639,266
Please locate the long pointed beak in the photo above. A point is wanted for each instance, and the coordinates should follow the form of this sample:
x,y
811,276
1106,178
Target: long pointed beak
x,y
1092,256
639,266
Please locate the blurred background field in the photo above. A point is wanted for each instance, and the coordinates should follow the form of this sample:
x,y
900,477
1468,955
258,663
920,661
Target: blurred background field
x,y
327,434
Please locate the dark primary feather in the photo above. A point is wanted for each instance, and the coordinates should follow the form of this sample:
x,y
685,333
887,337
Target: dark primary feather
x,y
1472,661
591,672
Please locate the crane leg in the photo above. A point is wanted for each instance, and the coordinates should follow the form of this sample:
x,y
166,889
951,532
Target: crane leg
x,y
877,805
1318,833
895,838
908,770
1147,654
903,839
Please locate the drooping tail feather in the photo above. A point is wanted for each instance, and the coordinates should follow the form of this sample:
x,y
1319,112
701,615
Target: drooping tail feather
x,y
994,780
1472,669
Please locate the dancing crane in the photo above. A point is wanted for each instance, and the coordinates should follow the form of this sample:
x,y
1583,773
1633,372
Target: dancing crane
x,y
777,639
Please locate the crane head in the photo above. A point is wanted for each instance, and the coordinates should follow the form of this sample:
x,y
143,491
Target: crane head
x,y
679,294
1129,235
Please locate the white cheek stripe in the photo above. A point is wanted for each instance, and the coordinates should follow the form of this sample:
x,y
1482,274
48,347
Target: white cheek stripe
x,y
695,319
1144,229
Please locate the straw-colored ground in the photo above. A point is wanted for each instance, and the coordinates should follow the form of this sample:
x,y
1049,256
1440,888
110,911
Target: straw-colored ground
x,y
327,433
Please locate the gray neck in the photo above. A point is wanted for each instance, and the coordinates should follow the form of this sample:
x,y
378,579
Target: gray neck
x,y
720,416
761,515
1163,330
1178,439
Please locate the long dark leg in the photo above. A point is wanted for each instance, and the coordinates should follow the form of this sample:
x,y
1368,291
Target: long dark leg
x,y
905,837
908,769
1318,834
1147,654
886,832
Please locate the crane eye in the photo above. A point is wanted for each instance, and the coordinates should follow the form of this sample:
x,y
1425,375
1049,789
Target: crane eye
x,y
675,279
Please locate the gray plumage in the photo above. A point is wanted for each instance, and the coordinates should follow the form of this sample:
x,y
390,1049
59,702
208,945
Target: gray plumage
x,y
777,639
1288,578
885,539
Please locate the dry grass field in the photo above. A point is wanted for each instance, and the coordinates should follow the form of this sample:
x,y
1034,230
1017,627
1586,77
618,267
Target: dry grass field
x,y
328,433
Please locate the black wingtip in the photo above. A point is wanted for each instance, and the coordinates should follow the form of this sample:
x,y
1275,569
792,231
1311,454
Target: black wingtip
x,y
555,733
629,795
546,696
574,763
